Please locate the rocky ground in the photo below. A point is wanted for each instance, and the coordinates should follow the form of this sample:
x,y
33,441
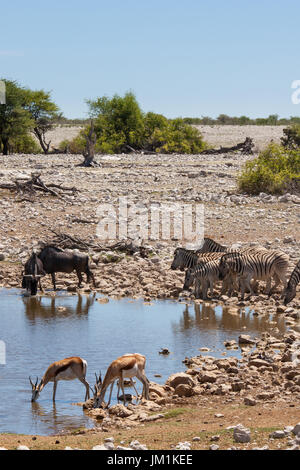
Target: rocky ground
x,y
266,378
225,403
230,217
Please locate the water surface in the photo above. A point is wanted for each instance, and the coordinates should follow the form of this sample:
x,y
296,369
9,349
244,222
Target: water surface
x,y
40,330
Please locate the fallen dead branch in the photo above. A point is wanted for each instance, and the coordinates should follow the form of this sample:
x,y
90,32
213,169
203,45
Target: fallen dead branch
x,y
65,241
246,148
35,185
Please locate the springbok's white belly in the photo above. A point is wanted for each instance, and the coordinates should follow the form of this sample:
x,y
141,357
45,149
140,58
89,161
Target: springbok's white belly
x,y
130,372
67,374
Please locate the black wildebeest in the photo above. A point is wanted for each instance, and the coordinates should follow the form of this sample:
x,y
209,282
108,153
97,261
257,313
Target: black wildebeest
x,y
56,260
33,271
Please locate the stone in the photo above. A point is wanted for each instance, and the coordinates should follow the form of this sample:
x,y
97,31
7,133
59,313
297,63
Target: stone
x,y
22,448
214,447
209,377
120,410
183,390
296,429
249,401
180,378
135,445
246,339
277,435
241,434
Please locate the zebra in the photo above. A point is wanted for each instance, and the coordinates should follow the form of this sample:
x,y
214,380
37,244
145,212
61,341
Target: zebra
x,y
210,246
184,258
294,280
261,265
204,275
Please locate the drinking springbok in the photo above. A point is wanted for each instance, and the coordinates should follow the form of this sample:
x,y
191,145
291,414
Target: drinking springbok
x,y
127,366
70,368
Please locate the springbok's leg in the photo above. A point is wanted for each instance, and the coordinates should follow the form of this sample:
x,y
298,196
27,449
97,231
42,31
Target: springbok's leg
x,y
87,387
111,389
54,389
122,385
142,378
132,384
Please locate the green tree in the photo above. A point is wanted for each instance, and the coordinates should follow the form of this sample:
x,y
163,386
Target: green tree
x,y
15,121
119,123
43,112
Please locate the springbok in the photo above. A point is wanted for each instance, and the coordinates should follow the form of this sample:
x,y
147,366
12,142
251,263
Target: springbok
x,y
70,368
126,366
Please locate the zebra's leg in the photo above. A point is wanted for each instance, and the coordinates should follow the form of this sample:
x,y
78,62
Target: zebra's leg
x,y
197,288
204,289
211,286
279,277
247,285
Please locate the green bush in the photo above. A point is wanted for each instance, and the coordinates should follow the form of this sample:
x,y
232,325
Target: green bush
x,y
23,144
275,170
121,126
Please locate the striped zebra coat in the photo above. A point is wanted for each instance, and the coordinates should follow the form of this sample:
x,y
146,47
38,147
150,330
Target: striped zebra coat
x,y
259,266
292,284
204,275
185,259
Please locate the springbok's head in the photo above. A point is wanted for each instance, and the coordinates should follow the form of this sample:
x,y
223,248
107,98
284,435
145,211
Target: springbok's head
x,y
35,389
98,399
97,386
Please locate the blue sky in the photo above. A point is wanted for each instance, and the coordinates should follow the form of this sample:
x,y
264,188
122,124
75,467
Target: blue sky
x,y
181,58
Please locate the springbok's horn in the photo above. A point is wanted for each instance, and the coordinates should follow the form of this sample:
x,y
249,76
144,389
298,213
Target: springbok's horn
x,y
37,379
31,381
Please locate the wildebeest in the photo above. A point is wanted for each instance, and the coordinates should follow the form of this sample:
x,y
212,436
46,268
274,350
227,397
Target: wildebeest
x,y
33,271
56,260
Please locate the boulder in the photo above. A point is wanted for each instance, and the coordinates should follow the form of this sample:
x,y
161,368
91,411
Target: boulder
x,y
120,410
180,378
183,390
241,434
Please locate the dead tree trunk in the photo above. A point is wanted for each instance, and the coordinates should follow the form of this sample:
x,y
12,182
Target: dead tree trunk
x,y
42,140
89,153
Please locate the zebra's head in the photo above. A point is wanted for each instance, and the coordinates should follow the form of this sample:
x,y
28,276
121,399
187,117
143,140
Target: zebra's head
x,y
189,279
177,260
290,293
223,267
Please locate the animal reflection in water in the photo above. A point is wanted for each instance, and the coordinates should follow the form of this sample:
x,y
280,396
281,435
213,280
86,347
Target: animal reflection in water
x,y
208,317
54,418
47,307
